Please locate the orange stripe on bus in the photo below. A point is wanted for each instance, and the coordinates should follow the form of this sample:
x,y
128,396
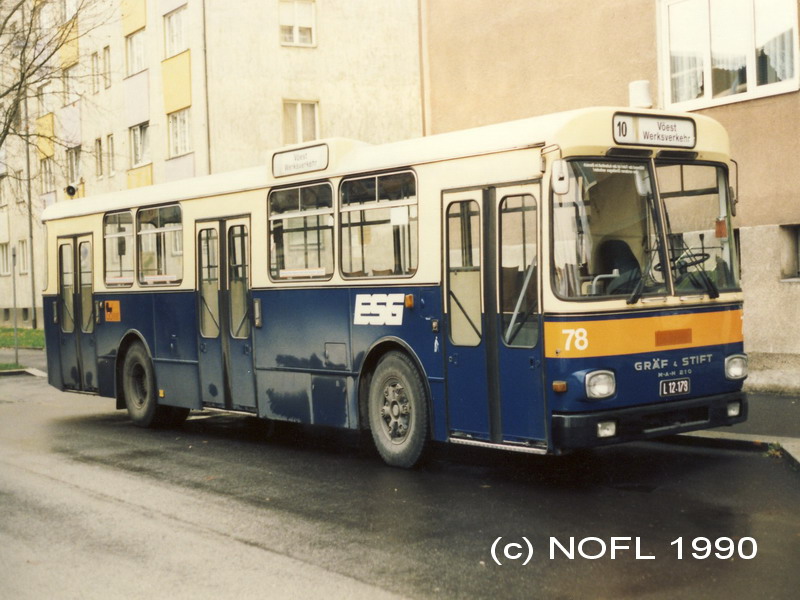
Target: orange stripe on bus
x,y
635,335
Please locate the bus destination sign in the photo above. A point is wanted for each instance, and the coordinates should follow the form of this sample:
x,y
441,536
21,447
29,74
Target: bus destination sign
x,y
300,160
641,130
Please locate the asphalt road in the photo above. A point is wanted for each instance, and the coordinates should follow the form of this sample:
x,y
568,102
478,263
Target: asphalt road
x,y
92,507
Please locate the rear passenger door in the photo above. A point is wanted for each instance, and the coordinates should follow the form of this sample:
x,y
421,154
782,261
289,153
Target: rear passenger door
x,y
76,313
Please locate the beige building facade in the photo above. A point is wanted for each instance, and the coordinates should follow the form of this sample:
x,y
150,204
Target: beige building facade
x,y
151,91
733,60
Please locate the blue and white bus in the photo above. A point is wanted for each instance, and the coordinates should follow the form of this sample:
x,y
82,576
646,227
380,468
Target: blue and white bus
x,y
559,282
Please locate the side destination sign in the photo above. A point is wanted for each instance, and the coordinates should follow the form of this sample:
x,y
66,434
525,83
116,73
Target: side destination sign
x,y
300,160
641,130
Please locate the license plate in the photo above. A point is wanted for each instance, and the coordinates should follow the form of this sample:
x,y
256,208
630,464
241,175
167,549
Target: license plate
x,y
674,387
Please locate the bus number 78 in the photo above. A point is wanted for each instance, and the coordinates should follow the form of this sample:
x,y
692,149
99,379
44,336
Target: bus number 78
x,y
579,336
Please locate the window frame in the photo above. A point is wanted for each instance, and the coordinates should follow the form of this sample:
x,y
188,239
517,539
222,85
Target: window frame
x,y
707,99
73,155
164,280
175,32
135,53
140,144
295,41
5,259
46,175
23,256
181,119
377,205
323,211
130,240
299,137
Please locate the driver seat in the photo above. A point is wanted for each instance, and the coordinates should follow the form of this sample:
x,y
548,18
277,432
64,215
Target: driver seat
x,y
617,254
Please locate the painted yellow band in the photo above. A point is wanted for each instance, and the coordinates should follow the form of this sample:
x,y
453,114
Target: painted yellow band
x,y
635,335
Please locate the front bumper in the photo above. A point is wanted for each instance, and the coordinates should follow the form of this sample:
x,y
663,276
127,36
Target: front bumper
x,y
579,430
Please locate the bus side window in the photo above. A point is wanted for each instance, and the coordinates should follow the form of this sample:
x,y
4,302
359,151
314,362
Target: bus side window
x,y
301,232
118,247
518,270
379,232
464,273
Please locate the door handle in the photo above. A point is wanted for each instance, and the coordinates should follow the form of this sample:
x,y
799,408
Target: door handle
x,y
258,319
453,359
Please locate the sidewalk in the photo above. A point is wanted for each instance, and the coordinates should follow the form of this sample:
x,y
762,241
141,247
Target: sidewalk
x,y
773,420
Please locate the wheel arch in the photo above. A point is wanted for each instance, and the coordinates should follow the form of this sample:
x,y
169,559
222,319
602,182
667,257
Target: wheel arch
x,y
373,356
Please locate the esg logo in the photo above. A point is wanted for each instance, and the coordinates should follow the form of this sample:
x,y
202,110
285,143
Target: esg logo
x,y
379,309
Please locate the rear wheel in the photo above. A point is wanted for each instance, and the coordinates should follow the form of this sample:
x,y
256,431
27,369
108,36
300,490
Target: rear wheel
x,y
398,410
141,398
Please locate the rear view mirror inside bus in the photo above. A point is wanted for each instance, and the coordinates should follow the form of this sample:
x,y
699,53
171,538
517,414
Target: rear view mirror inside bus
x,y
560,177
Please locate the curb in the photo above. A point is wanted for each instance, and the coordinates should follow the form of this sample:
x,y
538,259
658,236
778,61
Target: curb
x,y
26,371
788,447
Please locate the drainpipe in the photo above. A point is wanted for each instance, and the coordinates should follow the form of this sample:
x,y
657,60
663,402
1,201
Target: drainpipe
x,y
205,87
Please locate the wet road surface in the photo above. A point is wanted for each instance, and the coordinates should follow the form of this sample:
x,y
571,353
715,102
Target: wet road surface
x,y
94,507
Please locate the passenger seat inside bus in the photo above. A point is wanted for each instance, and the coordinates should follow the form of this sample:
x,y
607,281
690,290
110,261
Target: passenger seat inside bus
x,y
617,254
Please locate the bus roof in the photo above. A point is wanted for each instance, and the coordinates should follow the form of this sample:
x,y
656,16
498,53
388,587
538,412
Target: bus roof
x,y
338,156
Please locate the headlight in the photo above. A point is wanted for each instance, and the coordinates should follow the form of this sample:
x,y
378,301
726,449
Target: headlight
x,y
600,384
736,366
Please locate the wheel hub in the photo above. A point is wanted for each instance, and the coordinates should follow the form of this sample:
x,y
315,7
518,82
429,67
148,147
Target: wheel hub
x,y
396,411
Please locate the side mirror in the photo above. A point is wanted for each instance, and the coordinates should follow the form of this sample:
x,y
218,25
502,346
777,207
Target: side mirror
x,y
559,180
734,200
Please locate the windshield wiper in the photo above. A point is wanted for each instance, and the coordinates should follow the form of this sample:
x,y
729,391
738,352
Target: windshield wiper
x,y
639,289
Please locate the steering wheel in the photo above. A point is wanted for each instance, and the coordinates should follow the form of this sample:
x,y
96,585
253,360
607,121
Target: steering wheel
x,y
684,261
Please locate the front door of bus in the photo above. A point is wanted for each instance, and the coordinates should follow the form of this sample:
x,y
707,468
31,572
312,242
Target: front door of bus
x,y
224,314
494,354
76,314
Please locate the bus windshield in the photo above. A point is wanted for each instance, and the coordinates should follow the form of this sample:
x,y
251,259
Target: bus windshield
x,y
608,240
606,233
700,238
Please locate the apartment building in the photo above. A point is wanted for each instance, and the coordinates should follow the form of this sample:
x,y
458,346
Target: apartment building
x,y
150,91
734,60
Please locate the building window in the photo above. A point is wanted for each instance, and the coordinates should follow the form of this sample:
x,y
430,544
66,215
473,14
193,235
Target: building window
x,y
140,145
95,73
179,134
136,54
19,192
299,122
110,154
70,76
69,9
159,263
43,104
379,226
22,256
722,51
175,32
74,165
46,177
301,232
98,158
107,67
5,263
297,23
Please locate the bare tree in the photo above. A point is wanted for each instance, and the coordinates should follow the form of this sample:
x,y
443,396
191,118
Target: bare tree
x,y
33,34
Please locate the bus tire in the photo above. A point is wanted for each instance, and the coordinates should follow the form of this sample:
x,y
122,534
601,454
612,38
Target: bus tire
x,y
398,410
139,388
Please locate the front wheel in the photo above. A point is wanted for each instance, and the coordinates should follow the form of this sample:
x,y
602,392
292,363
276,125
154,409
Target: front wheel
x,y
398,410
